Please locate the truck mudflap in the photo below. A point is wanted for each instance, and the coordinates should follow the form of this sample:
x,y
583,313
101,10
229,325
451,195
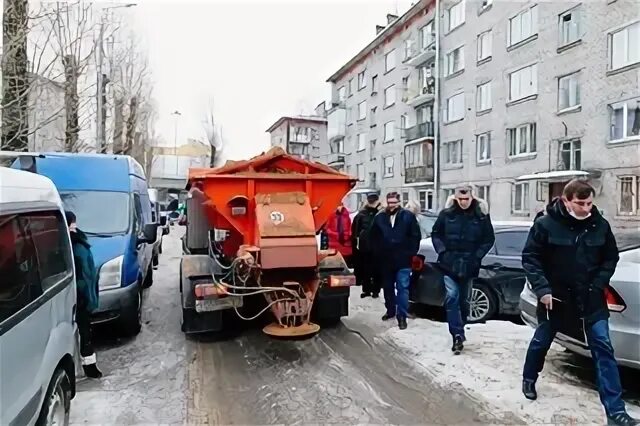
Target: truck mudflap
x,y
332,298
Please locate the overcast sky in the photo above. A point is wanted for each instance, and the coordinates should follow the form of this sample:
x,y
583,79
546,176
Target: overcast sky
x,y
259,59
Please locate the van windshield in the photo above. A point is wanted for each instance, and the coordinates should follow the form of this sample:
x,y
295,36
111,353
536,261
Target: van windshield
x,y
99,212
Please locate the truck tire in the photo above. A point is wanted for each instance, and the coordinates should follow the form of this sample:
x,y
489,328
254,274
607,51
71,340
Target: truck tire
x,y
131,318
56,406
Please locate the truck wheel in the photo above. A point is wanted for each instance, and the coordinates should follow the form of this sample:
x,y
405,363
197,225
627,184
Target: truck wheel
x,y
57,401
131,318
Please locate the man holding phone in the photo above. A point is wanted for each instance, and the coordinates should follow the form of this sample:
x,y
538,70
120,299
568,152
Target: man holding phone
x,y
569,258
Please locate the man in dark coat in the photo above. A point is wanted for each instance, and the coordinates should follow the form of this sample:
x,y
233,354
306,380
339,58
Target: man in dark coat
x,y
395,236
366,268
569,258
87,294
462,236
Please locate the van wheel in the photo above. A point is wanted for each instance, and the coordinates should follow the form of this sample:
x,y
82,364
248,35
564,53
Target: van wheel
x,y
148,279
57,401
131,319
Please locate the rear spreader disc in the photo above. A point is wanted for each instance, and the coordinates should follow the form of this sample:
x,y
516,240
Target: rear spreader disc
x,y
276,330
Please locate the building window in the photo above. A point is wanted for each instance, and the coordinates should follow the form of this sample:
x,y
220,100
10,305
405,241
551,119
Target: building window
x,y
390,96
404,124
483,101
342,94
483,146
520,198
389,131
456,16
483,192
522,140
454,61
427,35
388,166
625,119
628,200
523,25
523,83
484,45
568,91
374,84
425,199
362,80
372,149
408,49
424,114
301,134
350,86
405,198
452,152
625,46
373,179
337,147
362,110
390,61
362,141
454,109
486,4
569,27
360,172
571,155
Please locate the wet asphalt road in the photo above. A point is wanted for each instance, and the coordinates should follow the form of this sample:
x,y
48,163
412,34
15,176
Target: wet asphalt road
x,y
344,375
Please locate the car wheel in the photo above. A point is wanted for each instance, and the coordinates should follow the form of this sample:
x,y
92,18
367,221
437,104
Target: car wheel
x,y
57,401
131,320
483,305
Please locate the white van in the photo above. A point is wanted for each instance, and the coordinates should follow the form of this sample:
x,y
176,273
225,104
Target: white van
x,y
39,338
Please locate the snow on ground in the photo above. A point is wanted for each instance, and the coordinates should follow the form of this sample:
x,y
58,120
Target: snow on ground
x,y
490,367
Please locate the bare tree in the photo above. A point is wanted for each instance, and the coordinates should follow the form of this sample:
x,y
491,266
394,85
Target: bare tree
x,y
213,132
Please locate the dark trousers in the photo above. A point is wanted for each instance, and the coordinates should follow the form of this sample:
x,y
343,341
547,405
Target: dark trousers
x,y
607,375
83,319
367,273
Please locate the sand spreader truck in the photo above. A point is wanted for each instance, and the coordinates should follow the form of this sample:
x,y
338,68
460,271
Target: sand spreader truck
x,y
250,246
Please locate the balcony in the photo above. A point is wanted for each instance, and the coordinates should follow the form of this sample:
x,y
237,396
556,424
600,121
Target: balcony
x,y
420,96
336,125
336,159
419,131
419,56
418,174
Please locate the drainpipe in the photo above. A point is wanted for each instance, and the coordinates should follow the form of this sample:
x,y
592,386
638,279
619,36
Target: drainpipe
x,y
436,118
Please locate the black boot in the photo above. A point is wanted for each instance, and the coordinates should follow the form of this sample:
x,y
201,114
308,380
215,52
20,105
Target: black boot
x,y
375,295
402,323
387,317
529,389
365,294
457,345
622,419
92,371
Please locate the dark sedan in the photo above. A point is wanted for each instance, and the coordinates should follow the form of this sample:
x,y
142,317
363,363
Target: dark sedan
x,y
497,289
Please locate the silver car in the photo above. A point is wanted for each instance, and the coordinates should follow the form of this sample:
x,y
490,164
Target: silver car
x,y
623,295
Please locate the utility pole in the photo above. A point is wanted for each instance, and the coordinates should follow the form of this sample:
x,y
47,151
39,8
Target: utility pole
x,y
176,113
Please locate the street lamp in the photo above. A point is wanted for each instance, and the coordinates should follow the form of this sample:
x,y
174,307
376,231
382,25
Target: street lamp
x,y
176,113
100,89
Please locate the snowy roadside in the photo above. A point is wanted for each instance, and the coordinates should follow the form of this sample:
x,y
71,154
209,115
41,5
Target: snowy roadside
x,y
490,367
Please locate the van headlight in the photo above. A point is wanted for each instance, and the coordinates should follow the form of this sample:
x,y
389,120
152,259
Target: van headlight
x,y
111,274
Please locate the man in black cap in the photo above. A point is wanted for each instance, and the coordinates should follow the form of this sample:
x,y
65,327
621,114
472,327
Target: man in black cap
x,y
366,270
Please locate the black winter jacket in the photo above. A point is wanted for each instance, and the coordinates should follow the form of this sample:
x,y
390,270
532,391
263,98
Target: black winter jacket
x,y
394,247
571,259
462,238
361,227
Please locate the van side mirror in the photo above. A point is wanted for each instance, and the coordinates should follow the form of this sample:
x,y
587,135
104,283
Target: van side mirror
x,y
149,233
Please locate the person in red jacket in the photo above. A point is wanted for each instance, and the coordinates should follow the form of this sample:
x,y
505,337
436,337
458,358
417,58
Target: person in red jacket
x,y
339,232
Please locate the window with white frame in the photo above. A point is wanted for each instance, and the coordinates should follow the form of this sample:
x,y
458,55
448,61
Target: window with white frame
x,y
569,26
523,82
454,61
372,149
483,192
483,147
570,155
483,100
456,15
569,91
350,87
360,172
342,93
390,95
337,147
628,199
427,35
362,141
408,48
390,61
362,110
624,46
389,131
388,166
446,193
523,25
625,119
404,123
454,108
425,199
362,80
484,45
522,140
452,152
374,84
520,198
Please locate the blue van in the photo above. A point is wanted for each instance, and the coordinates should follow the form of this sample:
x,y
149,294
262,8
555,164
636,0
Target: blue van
x,y
109,195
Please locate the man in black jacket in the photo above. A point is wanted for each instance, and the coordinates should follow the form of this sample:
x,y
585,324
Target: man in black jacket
x,y
462,236
366,268
569,258
395,237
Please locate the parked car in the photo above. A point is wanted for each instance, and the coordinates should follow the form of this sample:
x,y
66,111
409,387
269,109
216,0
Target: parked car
x,y
426,220
623,294
498,287
109,195
39,340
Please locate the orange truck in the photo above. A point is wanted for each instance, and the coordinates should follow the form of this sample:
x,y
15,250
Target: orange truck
x,y
250,246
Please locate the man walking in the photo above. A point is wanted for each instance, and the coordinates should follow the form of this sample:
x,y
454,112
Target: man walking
x,y
395,236
569,257
366,268
462,236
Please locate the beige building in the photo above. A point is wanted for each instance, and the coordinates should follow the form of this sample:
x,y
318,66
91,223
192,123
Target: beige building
x,y
300,135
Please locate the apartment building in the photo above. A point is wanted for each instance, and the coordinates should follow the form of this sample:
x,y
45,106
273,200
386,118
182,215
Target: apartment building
x,y
304,136
380,124
536,93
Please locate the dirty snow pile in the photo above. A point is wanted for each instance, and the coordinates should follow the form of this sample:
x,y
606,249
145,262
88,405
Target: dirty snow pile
x,y
490,367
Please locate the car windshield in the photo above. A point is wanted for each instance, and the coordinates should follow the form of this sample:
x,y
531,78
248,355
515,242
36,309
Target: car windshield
x,y
426,224
99,212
